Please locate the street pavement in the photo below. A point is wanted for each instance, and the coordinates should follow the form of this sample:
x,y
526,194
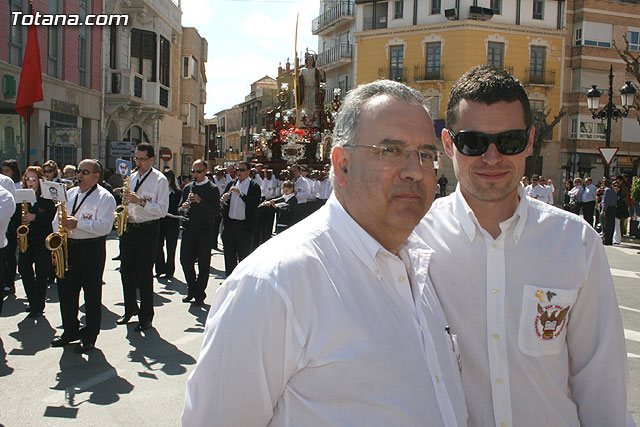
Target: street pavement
x,y
139,378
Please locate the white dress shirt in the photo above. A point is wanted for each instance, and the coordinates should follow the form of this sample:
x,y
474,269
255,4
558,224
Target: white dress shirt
x,y
538,192
322,326
237,207
8,184
522,366
269,187
589,193
325,189
95,215
7,208
221,183
303,190
155,190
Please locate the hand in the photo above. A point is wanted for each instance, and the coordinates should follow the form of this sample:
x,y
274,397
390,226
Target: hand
x,y
185,206
193,197
70,223
225,197
28,218
118,190
235,190
132,198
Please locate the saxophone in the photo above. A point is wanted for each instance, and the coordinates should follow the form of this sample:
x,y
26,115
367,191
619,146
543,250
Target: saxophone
x,y
23,230
122,211
57,244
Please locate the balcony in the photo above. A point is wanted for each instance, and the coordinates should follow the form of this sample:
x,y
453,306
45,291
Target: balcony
x,y
342,12
539,77
335,57
422,73
398,74
374,23
126,87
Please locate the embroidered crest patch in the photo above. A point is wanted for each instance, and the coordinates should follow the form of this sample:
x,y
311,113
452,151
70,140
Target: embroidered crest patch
x,y
86,216
550,320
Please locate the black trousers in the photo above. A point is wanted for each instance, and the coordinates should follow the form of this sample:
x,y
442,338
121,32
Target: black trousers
x,y
136,268
588,209
86,265
168,234
609,224
10,260
196,247
35,285
266,214
237,238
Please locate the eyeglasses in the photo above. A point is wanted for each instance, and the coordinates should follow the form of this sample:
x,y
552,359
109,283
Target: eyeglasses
x,y
242,170
535,180
84,171
49,170
197,171
394,155
30,178
508,143
141,159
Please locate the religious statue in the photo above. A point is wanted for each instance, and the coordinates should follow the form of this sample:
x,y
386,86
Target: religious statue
x,y
309,97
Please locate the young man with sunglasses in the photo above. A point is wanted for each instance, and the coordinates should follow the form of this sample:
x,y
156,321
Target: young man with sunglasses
x,y
538,340
90,213
201,204
148,201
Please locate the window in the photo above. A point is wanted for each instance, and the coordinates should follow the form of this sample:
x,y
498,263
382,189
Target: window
x,y
136,134
495,54
433,61
185,67
194,68
536,105
399,9
578,37
496,6
375,16
436,6
165,59
633,38
595,34
538,9
536,71
65,155
53,40
113,46
143,53
193,115
15,35
396,62
83,46
584,127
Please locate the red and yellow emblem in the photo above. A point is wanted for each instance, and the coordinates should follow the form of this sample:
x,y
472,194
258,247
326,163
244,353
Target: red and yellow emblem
x,y
550,320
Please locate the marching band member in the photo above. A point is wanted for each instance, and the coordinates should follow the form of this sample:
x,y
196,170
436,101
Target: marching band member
x,y
38,219
7,207
90,211
148,202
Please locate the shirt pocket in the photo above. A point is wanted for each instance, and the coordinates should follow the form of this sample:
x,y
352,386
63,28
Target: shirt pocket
x,y
544,319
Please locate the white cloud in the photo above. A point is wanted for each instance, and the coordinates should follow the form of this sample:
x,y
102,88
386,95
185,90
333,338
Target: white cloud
x,y
196,13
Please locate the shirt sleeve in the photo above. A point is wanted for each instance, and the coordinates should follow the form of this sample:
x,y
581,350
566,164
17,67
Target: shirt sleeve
x,y
250,351
598,372
160,206
105,216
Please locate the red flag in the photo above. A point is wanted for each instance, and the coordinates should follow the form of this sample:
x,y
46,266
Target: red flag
x,y
30,89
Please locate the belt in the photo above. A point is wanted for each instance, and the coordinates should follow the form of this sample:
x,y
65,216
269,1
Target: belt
x,y
87,241
237,221
143,224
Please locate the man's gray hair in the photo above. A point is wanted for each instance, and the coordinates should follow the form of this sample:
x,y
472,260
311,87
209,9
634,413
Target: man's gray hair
x,y
346,124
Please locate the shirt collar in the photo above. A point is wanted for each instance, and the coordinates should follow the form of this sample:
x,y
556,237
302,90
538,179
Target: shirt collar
x,y
469,221
287,197
363,245
204,181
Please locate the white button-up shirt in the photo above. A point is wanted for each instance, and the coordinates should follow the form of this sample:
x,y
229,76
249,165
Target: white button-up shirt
x,y
221,183
8,184
589,193
323,326
95,215
303,190
269,187
7,208
237,207
155,190
535,310
324,189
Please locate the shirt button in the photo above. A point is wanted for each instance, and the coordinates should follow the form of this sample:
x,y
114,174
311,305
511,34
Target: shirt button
x,y
494,245
496,336
503,424
377,271
401,279
437,379
496,291
499,381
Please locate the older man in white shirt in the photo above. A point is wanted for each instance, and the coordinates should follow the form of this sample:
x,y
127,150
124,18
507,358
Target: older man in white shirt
x,y
540,345
334,321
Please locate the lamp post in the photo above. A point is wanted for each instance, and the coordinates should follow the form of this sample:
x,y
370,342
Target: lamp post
x,y
610,111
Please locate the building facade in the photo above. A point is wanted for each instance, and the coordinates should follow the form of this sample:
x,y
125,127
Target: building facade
x,y
65,126
592,29
334,27
429,44
229,124
263,97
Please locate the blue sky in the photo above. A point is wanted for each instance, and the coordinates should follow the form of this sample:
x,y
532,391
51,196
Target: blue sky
x,y
247,39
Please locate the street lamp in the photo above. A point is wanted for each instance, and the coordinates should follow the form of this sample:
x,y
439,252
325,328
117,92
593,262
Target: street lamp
x,y
610,111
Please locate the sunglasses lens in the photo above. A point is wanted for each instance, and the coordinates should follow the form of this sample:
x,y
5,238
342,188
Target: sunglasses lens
x,y
512,142
471,143
509,143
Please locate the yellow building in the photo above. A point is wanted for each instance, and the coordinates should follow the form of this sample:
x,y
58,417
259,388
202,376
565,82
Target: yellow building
x,y
430,51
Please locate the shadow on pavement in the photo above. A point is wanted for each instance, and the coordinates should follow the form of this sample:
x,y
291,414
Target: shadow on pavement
x,y
34,335
217,274
174,285
155,353
5,369
91,379
13,305
200,313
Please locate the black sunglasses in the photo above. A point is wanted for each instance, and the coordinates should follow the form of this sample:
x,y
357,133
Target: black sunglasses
x,y
197,170
508,143
242,170
49,170
83,171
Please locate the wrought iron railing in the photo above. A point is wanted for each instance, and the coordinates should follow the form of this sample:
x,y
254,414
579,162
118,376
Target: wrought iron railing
x,y
334,54
421,72
536,76
332,15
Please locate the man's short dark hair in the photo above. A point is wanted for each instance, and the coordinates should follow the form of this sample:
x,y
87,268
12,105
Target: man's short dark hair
x,y
488,85
247,165
147,148
203,162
